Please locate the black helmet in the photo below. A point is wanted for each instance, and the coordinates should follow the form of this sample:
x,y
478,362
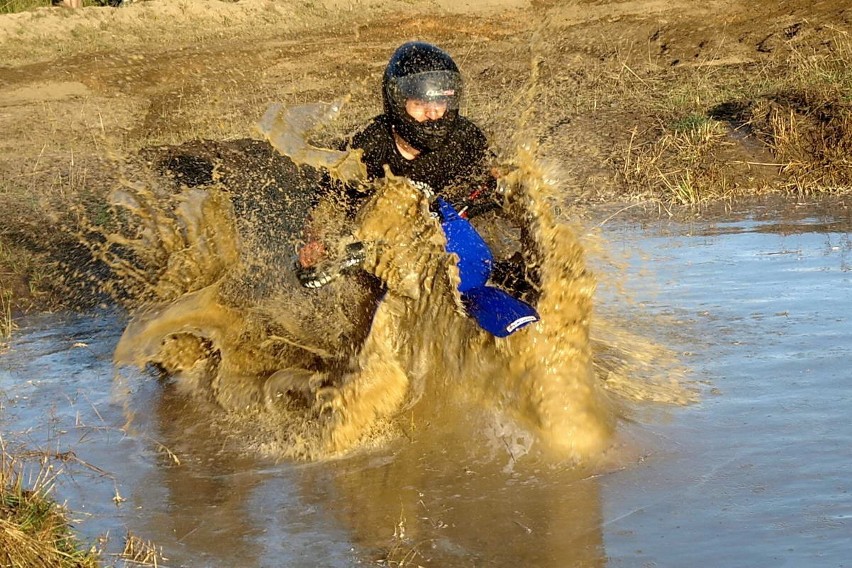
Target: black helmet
x,y
419,70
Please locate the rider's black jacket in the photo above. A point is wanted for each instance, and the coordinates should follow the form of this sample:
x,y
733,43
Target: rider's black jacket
x,y
457,171
461,156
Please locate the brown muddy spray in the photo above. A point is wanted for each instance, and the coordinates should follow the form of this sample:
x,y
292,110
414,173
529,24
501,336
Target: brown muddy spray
x,y
322,372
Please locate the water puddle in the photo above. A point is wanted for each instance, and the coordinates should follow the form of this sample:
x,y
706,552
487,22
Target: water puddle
x,y
319,373
757,305
754,475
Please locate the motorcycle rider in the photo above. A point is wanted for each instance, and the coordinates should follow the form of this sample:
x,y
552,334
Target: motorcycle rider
x,y
420,136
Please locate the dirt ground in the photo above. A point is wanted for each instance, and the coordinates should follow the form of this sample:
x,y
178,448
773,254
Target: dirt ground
x,y
628,100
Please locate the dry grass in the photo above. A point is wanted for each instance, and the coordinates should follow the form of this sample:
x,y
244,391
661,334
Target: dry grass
x,y
804,117
42,218
811,136
7,325
402,553
140,552
34,530
796,109
678,165
12,6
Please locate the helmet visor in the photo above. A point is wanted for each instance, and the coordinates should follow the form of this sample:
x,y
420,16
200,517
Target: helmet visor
x,y
431,86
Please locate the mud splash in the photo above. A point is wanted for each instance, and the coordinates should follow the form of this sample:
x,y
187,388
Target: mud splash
x,y
310,374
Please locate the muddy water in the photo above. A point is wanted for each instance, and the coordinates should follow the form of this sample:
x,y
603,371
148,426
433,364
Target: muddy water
x,y
328,371
756,474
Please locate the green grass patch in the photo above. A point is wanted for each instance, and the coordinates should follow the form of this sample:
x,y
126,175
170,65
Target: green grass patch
x,y
691,124
12,6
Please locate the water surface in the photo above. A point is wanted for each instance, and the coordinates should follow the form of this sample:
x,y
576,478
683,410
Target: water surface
x,y
756,474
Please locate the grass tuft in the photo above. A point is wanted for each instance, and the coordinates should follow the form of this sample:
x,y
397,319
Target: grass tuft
x,y
709,133
140,552
7,325
810,133
13,6
678,164
34,531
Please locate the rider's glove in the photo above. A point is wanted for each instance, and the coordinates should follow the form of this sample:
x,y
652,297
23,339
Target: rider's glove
x,y
318,276
313,276
353,256
426,189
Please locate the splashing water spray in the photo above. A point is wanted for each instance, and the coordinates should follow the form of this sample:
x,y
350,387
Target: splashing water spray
x,y
321,372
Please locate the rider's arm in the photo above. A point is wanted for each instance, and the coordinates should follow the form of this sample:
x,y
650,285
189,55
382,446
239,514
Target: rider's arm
x,y
344,197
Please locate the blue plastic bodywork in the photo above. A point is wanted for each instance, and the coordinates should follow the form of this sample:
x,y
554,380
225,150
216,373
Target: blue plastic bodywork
x,y
496,311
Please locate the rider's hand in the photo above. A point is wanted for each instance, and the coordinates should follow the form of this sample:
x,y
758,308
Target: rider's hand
x,y
312,253
318,275
314,276
425,189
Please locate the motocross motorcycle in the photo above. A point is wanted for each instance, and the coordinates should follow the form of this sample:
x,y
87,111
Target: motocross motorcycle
x,y
408,310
